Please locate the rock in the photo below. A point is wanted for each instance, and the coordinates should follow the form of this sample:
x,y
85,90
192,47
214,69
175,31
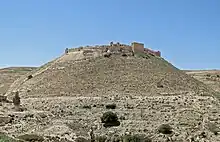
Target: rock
x,y
3,98
81,139
136,138
5,120
107,55
42,115
213,128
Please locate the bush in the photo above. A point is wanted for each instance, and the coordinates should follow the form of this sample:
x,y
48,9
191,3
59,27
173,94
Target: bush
x,y
124,55
87,107
110,106
16,99
31,137
29,77
160,85
3,98
100,138
165,129
110,119
107,55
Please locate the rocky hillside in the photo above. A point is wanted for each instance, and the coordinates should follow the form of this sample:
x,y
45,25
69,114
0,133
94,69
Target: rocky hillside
x,y
67,100
209,77
89,73
9,75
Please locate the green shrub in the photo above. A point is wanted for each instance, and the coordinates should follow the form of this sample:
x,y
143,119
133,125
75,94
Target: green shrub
x,y
165,129
87,107
100,138
110,119
31,137
16,99
29,77
110,106
160,85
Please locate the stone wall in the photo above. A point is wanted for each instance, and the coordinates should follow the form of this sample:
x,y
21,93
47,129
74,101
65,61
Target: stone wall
x,y
157,53
118,48
137,47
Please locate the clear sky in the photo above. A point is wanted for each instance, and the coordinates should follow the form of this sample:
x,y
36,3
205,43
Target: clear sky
x,y
187,32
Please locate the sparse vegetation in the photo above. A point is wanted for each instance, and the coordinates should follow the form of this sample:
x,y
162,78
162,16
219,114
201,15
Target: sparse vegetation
x,y
165,129
110,106
100,138
107,55
142,55
124,138
110,119
16,100
135,138
124,55
61,94
160,85
3,98
87,107
29,77
4,138
31,138
81,139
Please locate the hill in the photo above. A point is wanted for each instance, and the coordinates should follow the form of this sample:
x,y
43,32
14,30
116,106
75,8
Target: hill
x,y
88,73
9,75
68,96
209,77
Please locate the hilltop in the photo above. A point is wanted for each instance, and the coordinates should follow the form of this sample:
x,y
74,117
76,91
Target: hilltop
x,y
66,97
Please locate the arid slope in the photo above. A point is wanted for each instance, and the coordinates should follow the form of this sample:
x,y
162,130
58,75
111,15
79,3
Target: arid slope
x,y
209,77
9,75
67,96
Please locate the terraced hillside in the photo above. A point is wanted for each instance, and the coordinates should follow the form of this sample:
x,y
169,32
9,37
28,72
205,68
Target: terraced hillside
x,y
9,75
68,96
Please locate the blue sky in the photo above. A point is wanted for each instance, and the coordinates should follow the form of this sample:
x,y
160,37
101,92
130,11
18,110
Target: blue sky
x,y
187,32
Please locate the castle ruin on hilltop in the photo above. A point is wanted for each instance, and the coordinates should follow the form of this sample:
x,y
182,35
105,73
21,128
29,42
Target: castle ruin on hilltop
x,y
135,47
139,47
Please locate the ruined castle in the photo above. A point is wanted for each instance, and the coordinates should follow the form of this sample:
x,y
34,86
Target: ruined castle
x,y
139,47
135,47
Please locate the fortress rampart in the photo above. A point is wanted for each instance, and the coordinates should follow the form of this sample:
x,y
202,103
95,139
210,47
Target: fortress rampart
x,y
135,47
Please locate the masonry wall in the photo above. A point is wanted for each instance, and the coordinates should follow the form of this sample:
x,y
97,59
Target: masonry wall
x,y
137,47
157,53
